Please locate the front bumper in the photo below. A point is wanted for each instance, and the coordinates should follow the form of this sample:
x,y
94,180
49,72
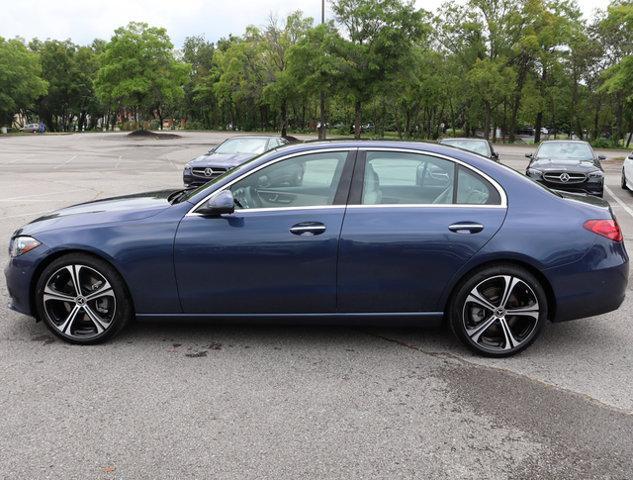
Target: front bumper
x,y
19,273
193,180
590,188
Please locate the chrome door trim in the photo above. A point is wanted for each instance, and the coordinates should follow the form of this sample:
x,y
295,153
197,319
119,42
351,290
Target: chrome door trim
x,y
428,205
192,212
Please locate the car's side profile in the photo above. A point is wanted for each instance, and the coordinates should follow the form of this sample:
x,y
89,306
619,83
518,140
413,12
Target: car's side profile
x,y
361,237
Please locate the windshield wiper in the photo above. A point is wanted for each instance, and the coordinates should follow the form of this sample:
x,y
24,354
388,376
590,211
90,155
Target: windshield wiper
x,y
177,195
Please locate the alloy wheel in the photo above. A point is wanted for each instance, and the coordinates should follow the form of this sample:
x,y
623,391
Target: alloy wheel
x,y
500,314
79,302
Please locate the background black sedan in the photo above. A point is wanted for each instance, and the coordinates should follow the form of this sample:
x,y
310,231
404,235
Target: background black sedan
x,y
480,146
567,165
230,153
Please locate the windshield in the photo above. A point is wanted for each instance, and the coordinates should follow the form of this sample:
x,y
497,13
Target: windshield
x,y
573,151
478,146
243,145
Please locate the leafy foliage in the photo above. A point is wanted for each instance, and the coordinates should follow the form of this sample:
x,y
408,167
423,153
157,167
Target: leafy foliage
x,y
494,68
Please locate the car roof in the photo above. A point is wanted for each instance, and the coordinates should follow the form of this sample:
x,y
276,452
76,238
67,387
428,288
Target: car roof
x,y
252,136
471,139
565,141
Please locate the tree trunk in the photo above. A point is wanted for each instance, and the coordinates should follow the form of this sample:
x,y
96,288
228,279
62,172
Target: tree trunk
x,y
322,129
357,118
284,118
517,101
487,122
537,127
596,119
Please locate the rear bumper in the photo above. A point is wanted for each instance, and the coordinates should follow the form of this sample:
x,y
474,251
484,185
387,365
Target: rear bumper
x,y
585,292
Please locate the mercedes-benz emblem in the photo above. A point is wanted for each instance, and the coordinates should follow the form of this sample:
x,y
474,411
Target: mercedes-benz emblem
x,y
208,172
564,177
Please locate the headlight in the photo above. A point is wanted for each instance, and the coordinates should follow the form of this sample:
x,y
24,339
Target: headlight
x,y
597,175
534,173
187,168
21,245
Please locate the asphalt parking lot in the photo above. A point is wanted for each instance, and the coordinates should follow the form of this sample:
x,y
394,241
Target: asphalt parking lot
x,y
174,400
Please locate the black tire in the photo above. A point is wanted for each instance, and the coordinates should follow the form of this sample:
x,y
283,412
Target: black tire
x,y
623,181
462,310
113,311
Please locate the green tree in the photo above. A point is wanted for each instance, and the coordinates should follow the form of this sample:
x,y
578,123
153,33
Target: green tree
x,y
377,35
20,79
139,72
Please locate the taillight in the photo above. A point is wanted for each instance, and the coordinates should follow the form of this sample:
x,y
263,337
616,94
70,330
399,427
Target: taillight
x,y
606,228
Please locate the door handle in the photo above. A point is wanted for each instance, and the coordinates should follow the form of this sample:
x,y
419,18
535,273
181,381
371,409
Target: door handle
x,y
308,229
466,227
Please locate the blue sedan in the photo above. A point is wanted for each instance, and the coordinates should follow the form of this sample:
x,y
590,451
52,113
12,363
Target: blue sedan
x,y
374,232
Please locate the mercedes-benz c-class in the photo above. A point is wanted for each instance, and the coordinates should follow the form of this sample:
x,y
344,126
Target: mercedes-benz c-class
x,y
370,232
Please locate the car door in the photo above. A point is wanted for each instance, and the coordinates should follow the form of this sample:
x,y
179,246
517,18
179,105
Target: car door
x,y
402,241
277,252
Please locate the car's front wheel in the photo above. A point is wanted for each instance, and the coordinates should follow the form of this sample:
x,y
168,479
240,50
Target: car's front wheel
x,y
499,310
82,299
623,181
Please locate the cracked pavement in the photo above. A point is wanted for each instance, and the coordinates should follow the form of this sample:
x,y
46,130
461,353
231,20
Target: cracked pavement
x,y
196,400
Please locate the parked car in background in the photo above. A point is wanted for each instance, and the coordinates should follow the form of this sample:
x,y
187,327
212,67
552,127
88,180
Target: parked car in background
x,y
31,128
228,154
627,173
479,146
568,165
358,239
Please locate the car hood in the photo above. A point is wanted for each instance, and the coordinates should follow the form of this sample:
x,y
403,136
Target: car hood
x,y
546,164
221,159
117,209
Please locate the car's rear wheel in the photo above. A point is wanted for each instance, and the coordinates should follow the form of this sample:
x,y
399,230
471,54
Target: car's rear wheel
x,y
82,299
499,310
623,181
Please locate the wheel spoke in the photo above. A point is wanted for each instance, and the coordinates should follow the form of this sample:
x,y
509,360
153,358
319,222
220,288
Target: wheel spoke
x,y
476,332
510,341
50,294
479,299
531,311
104,291
74,276
99,324
70,319
509,284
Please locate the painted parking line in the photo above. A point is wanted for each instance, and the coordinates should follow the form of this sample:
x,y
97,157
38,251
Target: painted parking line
x,y
25,197
65,163
626,208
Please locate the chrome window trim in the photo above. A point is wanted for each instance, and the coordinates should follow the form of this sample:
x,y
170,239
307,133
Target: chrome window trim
x,y
494,183
192,212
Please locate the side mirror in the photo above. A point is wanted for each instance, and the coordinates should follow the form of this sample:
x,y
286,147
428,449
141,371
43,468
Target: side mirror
x,y
602,157
529,155
495,155
220,204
